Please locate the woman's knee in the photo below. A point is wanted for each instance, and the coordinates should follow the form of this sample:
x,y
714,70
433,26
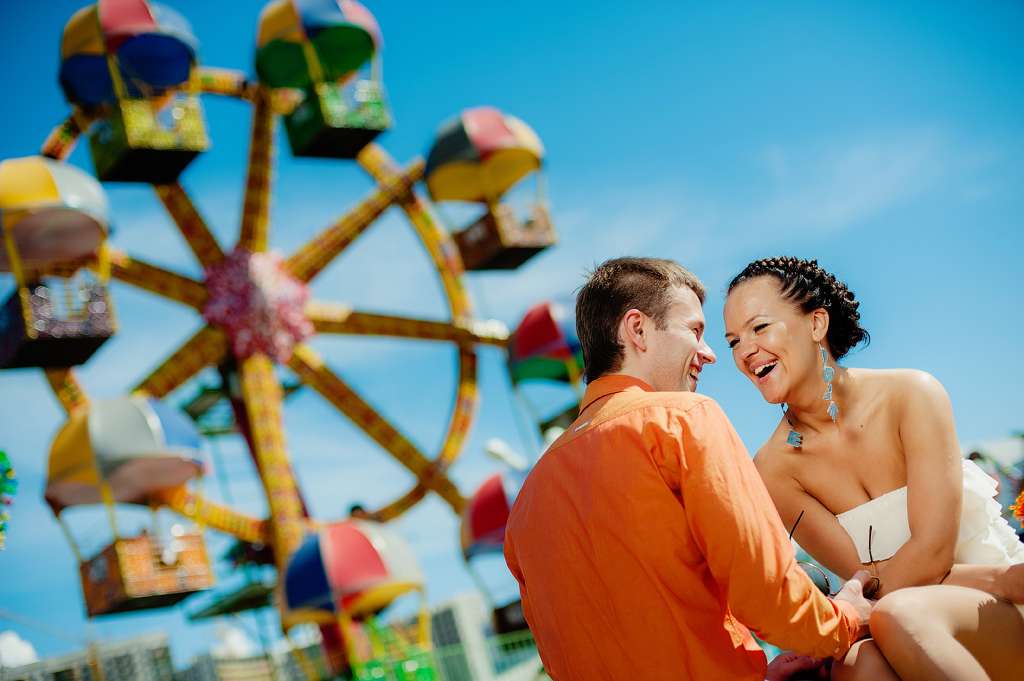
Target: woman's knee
x,y
864,662
899,614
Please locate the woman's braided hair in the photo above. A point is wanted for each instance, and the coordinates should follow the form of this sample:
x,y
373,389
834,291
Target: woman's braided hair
x,y
809,286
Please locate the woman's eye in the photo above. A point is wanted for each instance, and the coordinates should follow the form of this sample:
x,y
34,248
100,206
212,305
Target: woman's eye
x,y
757,329
733,342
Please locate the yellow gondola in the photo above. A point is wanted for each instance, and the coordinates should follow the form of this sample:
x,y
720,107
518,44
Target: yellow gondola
x,y
129,450
54,218
477,158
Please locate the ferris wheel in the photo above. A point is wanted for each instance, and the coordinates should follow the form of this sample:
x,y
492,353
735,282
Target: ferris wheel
x,y
131,75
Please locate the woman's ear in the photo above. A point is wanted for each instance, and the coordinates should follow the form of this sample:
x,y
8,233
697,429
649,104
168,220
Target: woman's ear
x,y
631,330
819,324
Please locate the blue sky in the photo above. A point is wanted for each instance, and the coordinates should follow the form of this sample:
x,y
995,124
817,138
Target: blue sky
x,y
882,140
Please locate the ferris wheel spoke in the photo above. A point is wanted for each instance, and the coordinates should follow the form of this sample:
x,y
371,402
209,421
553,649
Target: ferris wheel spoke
x,y
340,319
262,394
208,346
442,250
216,516
310,368
61,141
157,280
256,209
191,224
400,505
312,258
466,400
66,387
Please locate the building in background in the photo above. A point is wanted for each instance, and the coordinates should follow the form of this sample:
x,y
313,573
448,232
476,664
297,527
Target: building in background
x,y
143,658
208,668
465,648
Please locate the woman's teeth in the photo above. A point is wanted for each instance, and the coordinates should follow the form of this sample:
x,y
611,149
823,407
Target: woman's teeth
x,y
764,369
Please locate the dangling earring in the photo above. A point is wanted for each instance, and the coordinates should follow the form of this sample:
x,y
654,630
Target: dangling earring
x,y
794,439
828,373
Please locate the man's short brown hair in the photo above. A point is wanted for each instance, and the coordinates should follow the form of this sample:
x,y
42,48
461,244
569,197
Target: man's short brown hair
x,y
612,289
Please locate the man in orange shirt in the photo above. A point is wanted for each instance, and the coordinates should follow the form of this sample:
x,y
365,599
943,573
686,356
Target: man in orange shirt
x,y
643,541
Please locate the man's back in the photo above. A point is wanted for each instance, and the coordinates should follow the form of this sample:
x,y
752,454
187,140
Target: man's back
x,y
627,562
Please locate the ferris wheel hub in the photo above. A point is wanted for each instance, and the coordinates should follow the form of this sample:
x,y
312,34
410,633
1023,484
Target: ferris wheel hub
x,y
258,303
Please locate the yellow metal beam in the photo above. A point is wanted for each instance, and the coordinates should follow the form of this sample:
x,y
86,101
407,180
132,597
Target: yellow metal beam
x,y
216,516
439,244
312,258
466,400
336,318
191,224
61,141
312,371
256,209
262,394
157,280
67,389
208,346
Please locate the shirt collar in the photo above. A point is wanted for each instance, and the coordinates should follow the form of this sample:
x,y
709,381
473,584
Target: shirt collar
x,y
610,384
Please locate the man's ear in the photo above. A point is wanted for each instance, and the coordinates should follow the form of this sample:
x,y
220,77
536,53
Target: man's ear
x,y
631,330
819,324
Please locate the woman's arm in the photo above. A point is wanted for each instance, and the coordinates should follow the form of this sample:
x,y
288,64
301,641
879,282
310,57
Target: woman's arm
x,y
1002,581
934,484
818,532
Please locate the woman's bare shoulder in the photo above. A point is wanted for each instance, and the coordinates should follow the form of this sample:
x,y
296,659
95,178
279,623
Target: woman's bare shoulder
x,y
903,377
905,385
774,458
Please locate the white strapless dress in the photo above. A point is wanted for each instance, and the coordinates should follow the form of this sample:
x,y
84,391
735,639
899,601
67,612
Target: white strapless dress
x,y
985,537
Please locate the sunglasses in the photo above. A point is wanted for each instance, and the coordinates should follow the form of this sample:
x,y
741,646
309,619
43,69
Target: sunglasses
x,y
821,579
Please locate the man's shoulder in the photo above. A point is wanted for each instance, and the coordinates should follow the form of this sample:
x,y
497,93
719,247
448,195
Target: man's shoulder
x,y
672,401
634,407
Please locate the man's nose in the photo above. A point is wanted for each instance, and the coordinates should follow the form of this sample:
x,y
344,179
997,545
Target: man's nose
x,y
707,354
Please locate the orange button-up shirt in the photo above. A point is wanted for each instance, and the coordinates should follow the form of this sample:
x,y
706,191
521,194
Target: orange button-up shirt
x,y
645,544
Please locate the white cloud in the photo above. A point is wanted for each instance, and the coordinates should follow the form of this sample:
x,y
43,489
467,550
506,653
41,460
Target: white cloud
x,y
784,194
300,636
15,651
850,182
232,642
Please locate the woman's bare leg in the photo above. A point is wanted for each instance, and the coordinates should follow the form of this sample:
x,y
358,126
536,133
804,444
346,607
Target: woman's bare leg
x,y
941,632
864,662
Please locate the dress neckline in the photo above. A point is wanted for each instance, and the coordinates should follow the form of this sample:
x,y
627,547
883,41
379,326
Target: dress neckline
x,y
875,501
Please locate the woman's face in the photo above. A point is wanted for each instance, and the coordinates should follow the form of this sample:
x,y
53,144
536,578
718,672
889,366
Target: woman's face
x,y
771,339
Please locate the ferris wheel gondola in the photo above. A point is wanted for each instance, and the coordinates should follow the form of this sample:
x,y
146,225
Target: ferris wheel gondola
x,y
330,50
52,217
129,450
476,158
131,66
